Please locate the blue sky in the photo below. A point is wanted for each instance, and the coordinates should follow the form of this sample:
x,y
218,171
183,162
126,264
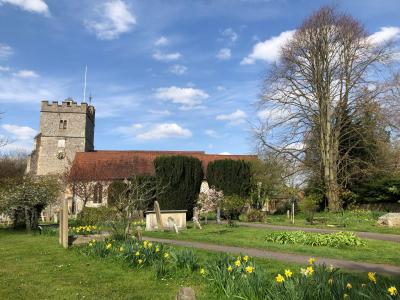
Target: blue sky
x,y
166,75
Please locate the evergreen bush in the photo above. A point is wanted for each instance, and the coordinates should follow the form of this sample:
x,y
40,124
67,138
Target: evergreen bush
x,y
178,182
233,177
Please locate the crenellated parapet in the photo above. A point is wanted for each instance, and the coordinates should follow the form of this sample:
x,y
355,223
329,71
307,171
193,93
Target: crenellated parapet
x,y
68,106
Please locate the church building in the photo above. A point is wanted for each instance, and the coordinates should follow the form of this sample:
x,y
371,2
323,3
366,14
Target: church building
x,y
65,143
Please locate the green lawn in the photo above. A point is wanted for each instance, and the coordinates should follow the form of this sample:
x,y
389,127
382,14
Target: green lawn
x,y
374,251
349,220
36,267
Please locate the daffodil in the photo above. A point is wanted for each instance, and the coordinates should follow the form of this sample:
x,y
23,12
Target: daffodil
x,y
249,269
166,255
311,260
279,278
330,281
245,258
237,263
108,246
345,296
137,253
157,249
202,271
288,273
140,261
371,277
229,268
150,244
349,286
121,249
310,270
392,291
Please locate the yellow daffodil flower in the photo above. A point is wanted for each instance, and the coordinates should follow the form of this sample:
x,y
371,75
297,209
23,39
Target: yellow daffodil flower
x,y
392,291
288,273
157,249
371,277
279,278
202,271
310,270
249,269
121,249
349,286
137,253
229,268
140,261
108,246
311,260
237,263
166,255
245,258
345,296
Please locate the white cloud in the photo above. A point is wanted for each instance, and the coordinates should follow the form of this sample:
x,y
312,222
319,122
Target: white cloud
x,y
165,130
26,74
162,41
166,56
20,132
273,114
188,98
36,6
19,137
385,34
5,51
15,89
269,50
211,133
221,88
224,153
160,112
224,54
234,118
4,69
112,19
230,34
178,69
129,130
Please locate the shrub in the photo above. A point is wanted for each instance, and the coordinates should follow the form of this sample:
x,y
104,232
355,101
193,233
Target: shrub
x,y
255,216
178,182
336,240
233,177
379,189
309,206
232,207
93,215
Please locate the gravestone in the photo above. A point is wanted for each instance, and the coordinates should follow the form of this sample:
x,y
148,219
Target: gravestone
x,y
158,215
196,216
390,220
138,233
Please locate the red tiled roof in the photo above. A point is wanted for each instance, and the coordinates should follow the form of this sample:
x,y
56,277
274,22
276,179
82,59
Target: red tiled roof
x,y
114,165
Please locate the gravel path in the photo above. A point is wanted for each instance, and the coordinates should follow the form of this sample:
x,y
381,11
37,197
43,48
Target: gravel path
x,y
286,257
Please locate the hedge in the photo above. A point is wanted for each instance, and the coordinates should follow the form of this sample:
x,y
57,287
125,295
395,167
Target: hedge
x,y
233,177
178,182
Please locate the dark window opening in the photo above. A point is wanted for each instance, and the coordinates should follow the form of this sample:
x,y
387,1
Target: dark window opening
x,y
62,124
98,193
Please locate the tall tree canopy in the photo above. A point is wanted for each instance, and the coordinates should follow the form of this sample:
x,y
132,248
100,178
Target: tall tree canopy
x,y
326,72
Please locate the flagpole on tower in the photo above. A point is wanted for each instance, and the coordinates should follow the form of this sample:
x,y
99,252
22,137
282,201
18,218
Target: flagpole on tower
x,y
84,87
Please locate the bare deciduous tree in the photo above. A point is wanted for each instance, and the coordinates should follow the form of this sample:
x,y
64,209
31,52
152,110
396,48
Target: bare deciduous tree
x,y
326,70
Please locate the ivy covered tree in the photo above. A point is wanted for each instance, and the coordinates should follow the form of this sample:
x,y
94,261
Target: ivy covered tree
x,y
179,178
233,177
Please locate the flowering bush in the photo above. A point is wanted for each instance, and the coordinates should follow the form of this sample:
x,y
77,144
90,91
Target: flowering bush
x,y
337,239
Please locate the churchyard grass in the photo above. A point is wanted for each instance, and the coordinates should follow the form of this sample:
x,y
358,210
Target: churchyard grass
x,y
374,251
355,220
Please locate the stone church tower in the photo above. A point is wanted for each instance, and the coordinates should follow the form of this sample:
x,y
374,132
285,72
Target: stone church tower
x,y
65,129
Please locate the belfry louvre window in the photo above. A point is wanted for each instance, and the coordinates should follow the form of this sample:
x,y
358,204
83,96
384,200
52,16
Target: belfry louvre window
x,y
63,124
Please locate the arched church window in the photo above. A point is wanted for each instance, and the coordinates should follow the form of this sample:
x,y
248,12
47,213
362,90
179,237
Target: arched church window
x,y
98,193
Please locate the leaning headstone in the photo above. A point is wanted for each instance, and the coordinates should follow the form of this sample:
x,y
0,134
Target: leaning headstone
x,y
390,219
288,214
219,215
196,216
158,215
186,293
